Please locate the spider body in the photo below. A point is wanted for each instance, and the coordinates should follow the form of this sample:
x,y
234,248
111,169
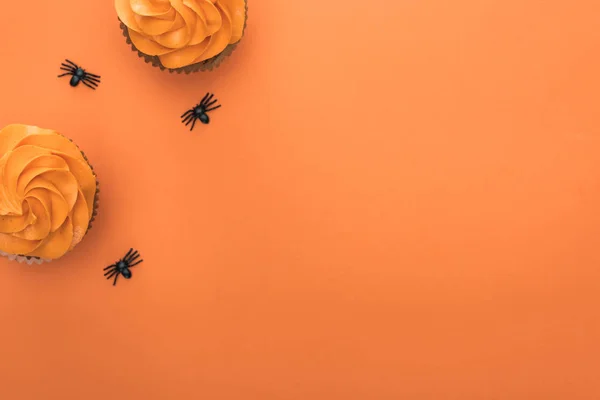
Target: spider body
x,y
123,269
123,266
79,75
200,112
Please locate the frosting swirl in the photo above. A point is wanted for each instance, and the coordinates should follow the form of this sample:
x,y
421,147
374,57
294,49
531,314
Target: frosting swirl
x,y
47,191
182,32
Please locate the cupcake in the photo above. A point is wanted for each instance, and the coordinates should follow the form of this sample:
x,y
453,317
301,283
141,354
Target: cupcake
x,y
183,35
48,194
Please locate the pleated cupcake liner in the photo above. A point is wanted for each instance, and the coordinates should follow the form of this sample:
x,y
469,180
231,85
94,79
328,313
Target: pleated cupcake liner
x,y
24,259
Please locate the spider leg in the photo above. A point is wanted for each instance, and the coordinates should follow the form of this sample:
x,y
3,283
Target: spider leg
x,y
110,266
187,119
204,98
66,66
93,75
204,102
132,254
211,103
191,119
95,84
115,281
66,73
133,265
71,70
133,257
88,85
128,253
186,113
214,108
72,63
91,80
193,123
112,273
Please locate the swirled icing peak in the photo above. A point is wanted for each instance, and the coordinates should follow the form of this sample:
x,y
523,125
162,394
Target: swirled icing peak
x,y
182,32
47,191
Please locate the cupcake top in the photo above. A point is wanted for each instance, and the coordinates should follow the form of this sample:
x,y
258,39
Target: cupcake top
x,y
182,32
47,191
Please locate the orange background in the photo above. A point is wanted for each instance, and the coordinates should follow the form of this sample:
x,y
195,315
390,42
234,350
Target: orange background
x,y
397,200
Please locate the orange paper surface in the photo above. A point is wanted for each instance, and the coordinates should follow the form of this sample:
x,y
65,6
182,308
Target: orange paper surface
x,y
397,200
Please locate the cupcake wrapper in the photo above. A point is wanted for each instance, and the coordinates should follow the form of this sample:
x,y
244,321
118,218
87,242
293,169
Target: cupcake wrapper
x,y
24,259
206,65
36,260
96,195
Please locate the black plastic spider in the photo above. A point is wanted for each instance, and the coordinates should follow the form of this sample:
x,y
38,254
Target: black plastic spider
x,y
79,75
200,111
122,266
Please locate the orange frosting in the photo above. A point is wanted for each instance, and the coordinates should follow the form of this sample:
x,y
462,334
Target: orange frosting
x,y
182,32
47,191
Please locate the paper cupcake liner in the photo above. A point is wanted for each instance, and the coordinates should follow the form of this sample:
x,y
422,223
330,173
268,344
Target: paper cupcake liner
x,y
37,260
96,195
206,65
24,259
